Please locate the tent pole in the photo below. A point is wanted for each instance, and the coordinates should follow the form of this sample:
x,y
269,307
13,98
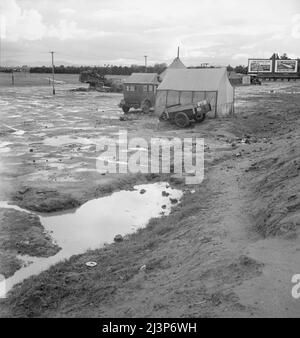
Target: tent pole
x,y
233,109
216,109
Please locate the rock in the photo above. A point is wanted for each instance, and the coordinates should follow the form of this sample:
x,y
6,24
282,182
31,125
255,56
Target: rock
x,y
165,194
142,192
164,206
174,200
205,239
143,268
23,190
118,238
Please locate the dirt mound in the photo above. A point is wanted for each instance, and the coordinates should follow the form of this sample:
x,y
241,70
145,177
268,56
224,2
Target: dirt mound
x,y
21,234
44,200
277,190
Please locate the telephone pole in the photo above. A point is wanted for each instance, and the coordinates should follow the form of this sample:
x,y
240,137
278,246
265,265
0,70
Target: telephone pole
x,y
0,46
145,56
0,49
52,58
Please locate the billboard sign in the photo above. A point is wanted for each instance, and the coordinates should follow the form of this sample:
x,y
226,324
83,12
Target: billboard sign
x,y
286,66
260,66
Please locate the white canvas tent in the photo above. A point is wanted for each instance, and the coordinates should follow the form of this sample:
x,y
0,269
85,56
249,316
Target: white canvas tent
x,y
176,64
183,86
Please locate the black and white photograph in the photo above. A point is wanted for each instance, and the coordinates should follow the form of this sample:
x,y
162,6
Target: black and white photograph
x,y
149,162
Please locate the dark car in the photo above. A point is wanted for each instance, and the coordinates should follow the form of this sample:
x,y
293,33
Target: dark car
x,y
139,92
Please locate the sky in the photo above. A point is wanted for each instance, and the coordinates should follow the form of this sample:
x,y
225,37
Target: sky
x,y
99,32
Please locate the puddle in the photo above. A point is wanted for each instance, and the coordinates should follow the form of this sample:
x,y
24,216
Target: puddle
x,y
65,139
97,222
19,132
4,147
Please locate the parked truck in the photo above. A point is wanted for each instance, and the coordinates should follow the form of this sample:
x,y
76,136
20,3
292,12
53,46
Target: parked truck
x,y
139,92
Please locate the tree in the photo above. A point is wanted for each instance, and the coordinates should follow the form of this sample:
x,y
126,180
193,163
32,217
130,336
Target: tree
x,y
284,57
241,69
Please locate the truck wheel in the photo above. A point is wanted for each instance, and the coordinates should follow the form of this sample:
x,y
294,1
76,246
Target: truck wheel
x,y
125,109
200,117
163,117
146,107
182,120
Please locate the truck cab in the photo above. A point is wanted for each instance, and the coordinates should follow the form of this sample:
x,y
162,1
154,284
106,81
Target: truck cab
x,y
139,91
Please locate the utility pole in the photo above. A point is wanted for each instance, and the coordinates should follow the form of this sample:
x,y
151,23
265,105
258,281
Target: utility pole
x,y
52,58
0,46
2,37
145,56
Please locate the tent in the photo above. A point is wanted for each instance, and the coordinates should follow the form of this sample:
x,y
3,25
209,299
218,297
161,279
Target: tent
x,y
183,86
176,64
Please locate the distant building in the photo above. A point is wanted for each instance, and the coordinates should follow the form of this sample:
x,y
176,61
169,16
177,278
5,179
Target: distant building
x,y
237,79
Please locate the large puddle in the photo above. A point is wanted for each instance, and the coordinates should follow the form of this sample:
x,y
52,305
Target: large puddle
x,y
97,222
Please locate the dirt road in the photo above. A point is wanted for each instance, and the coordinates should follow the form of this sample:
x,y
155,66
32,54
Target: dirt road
x,y
228,250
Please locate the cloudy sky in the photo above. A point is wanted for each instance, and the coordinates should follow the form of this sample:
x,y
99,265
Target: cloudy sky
x,y
101,32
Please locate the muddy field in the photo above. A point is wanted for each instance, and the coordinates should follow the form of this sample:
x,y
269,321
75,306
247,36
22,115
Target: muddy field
x,y
229,247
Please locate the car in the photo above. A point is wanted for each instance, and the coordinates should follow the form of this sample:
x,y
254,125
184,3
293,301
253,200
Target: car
x,y
255,80
139,92
183,114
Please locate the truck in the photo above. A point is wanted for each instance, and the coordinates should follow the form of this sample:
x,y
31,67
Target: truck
x,y
139,92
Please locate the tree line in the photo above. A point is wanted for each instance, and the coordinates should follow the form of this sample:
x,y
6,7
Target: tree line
x,y
110,70
102,70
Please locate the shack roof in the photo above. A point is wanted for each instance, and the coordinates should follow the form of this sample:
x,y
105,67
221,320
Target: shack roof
x,y
142,78
206,79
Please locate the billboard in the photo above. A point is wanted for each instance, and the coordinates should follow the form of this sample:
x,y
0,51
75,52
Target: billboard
x,y
286,66
260,65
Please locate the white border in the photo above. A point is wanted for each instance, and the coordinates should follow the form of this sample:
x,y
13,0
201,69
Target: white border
x,y
286,71
260,60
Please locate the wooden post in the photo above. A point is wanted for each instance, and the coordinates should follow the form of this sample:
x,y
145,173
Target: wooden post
x,y
52,58
233,108
216,109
